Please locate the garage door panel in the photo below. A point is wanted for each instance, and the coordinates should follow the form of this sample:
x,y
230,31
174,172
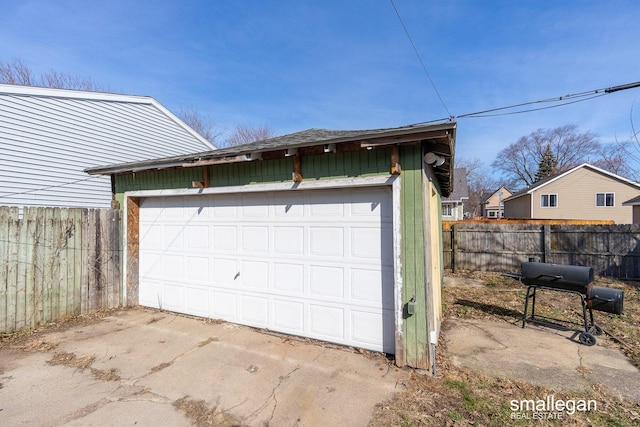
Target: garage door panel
x,y
366,286
288,278
326,322
254,205
366,336
289,206
224,207
313,263
197,237
327,241
326,281
254,310
225,238
366,242
173,236
151,235
288,316
327,206
224,305
289,240
151,265
255,239
173,266
149,293
197,301
225,272
361,330
172,297
198,269
255,274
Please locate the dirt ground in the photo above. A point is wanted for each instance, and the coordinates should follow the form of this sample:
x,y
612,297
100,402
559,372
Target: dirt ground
x,y
462,397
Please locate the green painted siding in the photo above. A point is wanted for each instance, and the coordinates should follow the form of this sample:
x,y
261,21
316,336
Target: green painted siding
x,y
413,256
324,166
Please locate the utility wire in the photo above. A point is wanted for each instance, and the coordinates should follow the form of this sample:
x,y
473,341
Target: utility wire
x,y
571,99
424,67
482,114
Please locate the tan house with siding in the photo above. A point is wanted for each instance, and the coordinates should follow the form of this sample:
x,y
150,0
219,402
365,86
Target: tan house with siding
x,y
493,206
582,193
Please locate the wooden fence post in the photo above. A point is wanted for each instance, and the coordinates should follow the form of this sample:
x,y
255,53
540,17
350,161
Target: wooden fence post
x,y
454,246
546,230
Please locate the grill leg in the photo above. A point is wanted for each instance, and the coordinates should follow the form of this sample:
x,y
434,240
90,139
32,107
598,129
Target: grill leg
x,y
530,294
584,314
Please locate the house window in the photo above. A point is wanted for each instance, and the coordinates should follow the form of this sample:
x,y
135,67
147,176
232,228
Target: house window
x,y
605,199
492,213
447,209
549,200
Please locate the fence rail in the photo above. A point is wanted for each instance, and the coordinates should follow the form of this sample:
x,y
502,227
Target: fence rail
x,y
57,262
612,250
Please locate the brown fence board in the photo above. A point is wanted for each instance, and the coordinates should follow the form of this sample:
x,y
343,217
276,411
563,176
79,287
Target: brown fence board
x,y
612,250
57,262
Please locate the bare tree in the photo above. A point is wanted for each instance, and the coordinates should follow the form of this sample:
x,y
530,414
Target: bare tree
x,y
18,73
203,124
479,181
613,158
245,134
520,160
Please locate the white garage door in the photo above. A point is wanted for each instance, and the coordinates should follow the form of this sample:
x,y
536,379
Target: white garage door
x,y
315,263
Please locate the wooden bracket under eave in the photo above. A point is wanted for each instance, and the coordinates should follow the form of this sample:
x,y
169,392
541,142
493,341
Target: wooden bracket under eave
x,y
205,179
296,175
395,160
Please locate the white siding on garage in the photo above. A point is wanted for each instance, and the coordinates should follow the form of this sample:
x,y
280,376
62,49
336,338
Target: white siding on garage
x,y
48,137
315,263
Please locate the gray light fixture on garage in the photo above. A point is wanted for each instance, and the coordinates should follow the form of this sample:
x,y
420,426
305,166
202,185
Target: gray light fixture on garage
x,y
433,159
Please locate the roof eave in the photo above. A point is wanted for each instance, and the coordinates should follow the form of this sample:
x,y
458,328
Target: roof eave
x,y
368,139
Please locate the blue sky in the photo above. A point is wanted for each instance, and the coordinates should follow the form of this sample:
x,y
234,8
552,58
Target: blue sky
x,y
347,64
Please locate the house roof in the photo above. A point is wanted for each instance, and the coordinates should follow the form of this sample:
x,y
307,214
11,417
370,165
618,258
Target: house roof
x,y
488,194
49,136
632,202
441,138
130,127
540,184
460,187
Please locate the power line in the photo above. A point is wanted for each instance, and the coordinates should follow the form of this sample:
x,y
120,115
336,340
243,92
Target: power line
x,y
568,99
482,114
424,67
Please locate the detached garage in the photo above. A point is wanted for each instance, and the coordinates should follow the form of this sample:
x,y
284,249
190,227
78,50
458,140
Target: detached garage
x,y
331,235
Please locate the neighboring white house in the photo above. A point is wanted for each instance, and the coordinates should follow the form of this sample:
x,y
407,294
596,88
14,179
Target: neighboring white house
x,y
453,206
49,136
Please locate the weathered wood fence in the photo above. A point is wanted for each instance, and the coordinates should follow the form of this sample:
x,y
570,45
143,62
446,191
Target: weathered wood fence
x,y
57,262
612,250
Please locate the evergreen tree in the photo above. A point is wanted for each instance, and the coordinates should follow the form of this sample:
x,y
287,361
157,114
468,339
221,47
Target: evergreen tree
x,y
548,164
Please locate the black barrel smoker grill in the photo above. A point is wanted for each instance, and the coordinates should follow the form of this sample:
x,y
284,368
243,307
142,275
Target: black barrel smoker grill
x,y
573,279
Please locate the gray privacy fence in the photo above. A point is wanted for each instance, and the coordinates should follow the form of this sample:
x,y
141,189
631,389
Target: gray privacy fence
x,y
57,262
612,250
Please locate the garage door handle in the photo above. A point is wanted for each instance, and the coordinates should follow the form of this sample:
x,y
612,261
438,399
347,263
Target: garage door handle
x,y
237,275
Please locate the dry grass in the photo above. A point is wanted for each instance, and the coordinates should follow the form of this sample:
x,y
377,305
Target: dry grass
x,y
460,397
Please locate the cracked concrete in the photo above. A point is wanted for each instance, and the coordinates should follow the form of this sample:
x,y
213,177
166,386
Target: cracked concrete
x,y
539,355
158,368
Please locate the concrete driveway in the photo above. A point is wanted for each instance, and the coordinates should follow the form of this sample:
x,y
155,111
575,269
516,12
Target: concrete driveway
x,y
144,367
540,355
